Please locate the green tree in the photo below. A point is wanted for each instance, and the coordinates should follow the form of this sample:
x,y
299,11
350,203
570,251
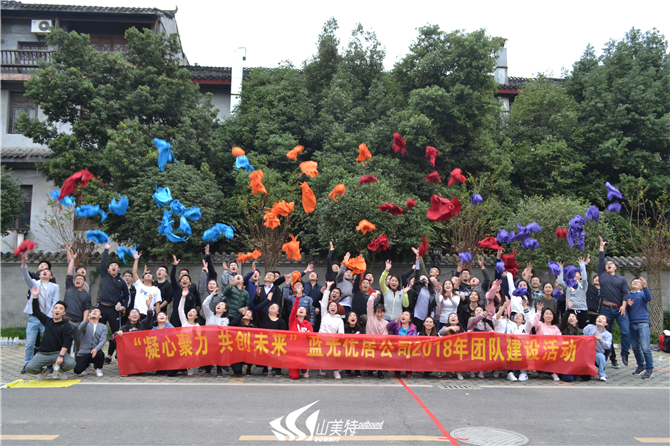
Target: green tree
x,y
623,109
116,104
10,199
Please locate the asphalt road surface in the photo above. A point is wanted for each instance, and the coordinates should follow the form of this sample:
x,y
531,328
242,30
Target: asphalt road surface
x,y
240,414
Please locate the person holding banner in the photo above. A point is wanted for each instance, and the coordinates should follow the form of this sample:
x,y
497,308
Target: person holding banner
x,y
268,317
452,327
217,317
331,322
244,318
544,324
402,326
297,322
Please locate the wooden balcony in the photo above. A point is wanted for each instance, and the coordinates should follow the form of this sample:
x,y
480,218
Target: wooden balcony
x,y
22,61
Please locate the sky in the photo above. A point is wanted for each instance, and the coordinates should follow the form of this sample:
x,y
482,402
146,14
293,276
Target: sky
x,y
543,37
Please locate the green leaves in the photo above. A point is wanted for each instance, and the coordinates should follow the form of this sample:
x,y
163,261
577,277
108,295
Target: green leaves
x,y
10,199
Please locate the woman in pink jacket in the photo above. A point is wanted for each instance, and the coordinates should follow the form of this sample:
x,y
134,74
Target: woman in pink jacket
x,y
544,325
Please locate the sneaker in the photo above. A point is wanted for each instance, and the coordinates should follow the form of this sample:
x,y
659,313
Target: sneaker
x,y
305,375
219,374
472,374
62,376
624,359
459,376
511,377
359,375
189,372
322,373
380,374
639,370
615,364
23,370
43,374
408,375
336,375
496,373
439,375
108,360
278,374
481,375
603,378
98,372
85,372
265,371
248,373
555,377
647,374
523,376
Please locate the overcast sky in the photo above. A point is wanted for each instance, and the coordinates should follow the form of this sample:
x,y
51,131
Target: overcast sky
x,y
543,37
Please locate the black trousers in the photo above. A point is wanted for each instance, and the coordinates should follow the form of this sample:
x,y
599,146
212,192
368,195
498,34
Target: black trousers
x,y
110,316
84,360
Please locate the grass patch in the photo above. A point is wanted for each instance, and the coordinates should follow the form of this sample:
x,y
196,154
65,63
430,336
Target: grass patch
x,y
13,333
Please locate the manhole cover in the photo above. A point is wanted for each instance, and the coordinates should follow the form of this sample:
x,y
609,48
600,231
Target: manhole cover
x,y
489,436
459,386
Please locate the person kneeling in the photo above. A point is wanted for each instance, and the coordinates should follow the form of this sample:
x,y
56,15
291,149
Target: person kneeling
x,y
93,338
56,341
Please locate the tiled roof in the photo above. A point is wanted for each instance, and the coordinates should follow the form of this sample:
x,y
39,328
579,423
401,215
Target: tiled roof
x,y
516,83
223,73
25,152
217,258
19,6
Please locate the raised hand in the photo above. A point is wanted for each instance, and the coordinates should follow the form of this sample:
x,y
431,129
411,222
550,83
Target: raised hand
x,y
35,291
207,249
602,243
175,260
136,255
107,246
481,263
540,306
151,298
331,246
288,278
329,284
224,265
560,264
204,266
499,254
184,292
588,259
347,256
643,282
388,265
407,288
310,267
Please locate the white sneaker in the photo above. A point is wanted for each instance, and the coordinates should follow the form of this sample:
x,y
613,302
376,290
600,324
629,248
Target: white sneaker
x,y
472,374
322,373
305,375
511,377
459,376
85,372
523,376
603,378
98,372
189,372
496,373
481,375
555,377
336,375
63,376
43,374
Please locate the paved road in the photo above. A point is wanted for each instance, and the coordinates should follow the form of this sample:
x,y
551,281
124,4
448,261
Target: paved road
x,y
226,414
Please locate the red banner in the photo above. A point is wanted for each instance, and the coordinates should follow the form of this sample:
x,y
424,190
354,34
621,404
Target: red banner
x,y
181,348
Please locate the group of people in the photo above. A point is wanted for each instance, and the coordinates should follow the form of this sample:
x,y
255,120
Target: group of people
x,y
416,303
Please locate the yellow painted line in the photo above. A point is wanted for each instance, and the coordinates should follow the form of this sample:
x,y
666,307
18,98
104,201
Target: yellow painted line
x,y
28,437
653,440
329,439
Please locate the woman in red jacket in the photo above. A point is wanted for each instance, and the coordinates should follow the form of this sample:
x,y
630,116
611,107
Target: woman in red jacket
x,y
297,321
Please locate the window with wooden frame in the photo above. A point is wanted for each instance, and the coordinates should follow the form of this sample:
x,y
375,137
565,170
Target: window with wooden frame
x,y
19,103
22,222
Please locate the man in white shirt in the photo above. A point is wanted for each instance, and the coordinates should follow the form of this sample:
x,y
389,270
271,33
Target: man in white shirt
x,y
145,290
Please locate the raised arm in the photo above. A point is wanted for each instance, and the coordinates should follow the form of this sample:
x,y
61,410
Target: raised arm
x,y
490,296
486,281
136,256
601,256
210,266
180,309
205,311
103,262
474,320
24,271
382,278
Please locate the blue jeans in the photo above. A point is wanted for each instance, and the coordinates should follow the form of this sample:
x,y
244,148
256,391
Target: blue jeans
x,y
624,326
640,340
34,325
601,362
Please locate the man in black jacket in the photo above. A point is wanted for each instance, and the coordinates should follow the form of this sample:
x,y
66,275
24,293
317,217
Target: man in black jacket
x,y
56,341
113,297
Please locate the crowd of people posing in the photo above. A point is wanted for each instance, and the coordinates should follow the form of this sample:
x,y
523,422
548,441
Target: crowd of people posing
x,y
415,303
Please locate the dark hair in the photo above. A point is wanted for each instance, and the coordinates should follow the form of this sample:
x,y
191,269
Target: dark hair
x,y
607,318
80,275
184,269
162,266
233,261
225,313
380,306
358,320
127,272
482,307
433,332
474,291
81,267
547,283
276,272
437,268
186,275
466,269
368,280
113,262
48,263
553,314
60,302
369,273
564,319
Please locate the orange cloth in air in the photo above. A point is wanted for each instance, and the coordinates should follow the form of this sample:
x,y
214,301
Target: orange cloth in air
x,y
338,190
357,265
282,208
294,152
241,258
308,198
363,154
309,168
255,182
237,151
365,226
292,249
271,220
